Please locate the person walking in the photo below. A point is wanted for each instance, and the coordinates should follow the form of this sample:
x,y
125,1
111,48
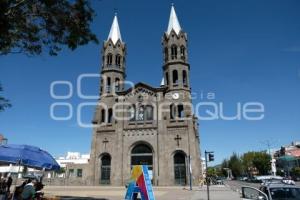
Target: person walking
x,y
29,190
8,184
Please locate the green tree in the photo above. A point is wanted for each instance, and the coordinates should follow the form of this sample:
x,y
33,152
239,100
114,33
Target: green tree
x,y
296,171
61,171
215,171
211,171
224,166
32,26
4,103
235,164
262,162
247,161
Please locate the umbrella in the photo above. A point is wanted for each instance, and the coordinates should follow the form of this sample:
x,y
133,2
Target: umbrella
x,y
29,156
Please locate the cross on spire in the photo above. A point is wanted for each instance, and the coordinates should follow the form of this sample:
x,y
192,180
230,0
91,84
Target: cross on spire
x,y
177,138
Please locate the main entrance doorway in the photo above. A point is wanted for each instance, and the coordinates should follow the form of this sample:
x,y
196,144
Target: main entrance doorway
x,y
142,154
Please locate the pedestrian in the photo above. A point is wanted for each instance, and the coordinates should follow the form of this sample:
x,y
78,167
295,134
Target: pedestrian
x,y
29,190
18,191
201,182
8,184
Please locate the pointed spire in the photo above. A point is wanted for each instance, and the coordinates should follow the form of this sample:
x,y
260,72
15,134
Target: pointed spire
x,y
115,33
173,22
162,83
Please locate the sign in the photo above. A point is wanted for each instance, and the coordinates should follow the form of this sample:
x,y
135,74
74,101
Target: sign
x,y
140,183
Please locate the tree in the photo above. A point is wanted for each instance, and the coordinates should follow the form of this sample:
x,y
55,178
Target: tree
x,y
61,171
296,171
247,161
32,26
262,162
4,103
224,166
211,171
235,164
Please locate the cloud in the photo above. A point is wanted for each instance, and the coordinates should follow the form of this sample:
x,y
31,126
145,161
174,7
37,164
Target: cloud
x,y
292,49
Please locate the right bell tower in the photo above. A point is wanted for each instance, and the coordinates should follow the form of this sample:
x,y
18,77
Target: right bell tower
x,y
176,68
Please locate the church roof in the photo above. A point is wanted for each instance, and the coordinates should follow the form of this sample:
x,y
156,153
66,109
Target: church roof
x,y
173,22
115,33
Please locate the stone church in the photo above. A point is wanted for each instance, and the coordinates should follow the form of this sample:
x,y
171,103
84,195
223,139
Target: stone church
x,y
145,125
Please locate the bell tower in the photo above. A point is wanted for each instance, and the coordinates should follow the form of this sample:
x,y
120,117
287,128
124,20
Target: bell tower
x,y
176,68
113,61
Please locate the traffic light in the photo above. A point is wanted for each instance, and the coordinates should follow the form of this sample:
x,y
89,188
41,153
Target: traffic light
x,y
211,157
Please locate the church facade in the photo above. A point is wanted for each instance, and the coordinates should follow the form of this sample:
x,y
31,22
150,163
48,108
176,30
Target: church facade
x,y
142,124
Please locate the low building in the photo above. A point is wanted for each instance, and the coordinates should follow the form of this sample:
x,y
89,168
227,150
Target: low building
x,y
74,169
287,158
73,158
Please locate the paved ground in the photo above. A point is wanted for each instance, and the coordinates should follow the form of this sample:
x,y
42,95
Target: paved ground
x,y
161,193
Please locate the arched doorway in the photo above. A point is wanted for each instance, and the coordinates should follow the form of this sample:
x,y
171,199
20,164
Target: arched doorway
x,y
180,168
105,169
142,154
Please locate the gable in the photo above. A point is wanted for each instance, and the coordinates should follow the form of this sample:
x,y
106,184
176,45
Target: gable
x,y
141,88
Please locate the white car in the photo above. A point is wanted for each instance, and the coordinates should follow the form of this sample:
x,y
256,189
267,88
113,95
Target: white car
x,y
272,191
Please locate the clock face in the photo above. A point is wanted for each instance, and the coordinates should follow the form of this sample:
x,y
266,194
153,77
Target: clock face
x,y
175,96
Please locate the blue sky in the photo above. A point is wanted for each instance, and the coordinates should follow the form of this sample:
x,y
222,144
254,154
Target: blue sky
x,y
241,50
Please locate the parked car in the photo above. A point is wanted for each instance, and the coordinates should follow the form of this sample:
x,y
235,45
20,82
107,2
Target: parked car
x,y
243,178
273,190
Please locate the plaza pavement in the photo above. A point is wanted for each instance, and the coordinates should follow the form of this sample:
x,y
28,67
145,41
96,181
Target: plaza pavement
x,y
161,193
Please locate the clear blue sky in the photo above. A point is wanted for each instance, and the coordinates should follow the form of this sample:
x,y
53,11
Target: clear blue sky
x,y
241,50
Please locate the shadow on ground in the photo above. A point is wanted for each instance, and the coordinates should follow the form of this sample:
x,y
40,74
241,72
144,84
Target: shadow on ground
x,y
80,198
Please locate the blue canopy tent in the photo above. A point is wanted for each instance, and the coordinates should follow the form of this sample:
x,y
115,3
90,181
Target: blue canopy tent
x,y
29,156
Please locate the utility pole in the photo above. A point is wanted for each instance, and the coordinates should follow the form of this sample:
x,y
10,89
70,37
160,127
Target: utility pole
x,y
272,161
209,159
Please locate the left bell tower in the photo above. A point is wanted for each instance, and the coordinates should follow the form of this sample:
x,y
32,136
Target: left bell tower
x,y
113,61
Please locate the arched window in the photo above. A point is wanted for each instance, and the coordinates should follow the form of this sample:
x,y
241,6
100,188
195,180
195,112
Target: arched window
x,y
142,154
118,60
101,88
172,111
166,54
184,78
182,52
180,111
103,115
180,168
109,59
141,114
131,112
174,52
149,113
117,84
175,77
167,78
105,169
110,115
108,82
